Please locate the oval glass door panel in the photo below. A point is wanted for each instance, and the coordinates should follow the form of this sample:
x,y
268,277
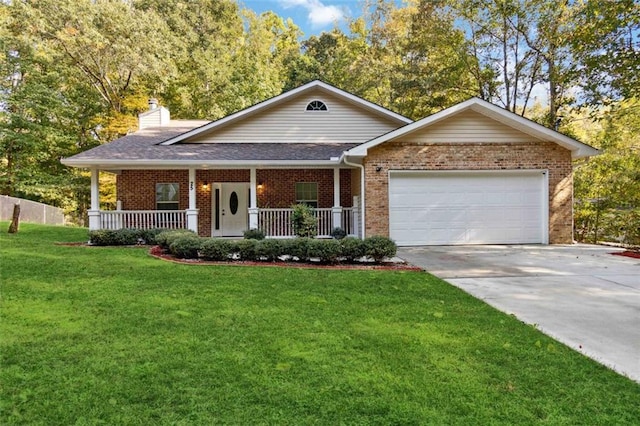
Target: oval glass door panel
x,y
233,202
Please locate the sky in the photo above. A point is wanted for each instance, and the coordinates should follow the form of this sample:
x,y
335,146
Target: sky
x,y
312,16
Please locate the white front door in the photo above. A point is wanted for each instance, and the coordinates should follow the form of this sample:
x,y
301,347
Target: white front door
x,y
234,209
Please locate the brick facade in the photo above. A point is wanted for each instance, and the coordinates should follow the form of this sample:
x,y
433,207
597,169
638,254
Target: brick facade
x,y
465,156
137,188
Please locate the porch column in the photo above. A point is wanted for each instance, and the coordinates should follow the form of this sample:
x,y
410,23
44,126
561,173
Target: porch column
x,y
337,208
192,211
94,212
253,202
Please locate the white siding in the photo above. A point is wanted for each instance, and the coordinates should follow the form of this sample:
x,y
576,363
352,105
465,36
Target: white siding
x,y
469,126
158,117
290,122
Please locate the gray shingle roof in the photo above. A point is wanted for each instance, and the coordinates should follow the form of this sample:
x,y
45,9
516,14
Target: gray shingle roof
x,y
144,145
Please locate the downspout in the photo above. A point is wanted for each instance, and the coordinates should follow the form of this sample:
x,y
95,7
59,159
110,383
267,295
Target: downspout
x,y
362,212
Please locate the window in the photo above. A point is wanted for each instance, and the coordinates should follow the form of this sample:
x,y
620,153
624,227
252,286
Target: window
x,y
167,196
316,106
307,193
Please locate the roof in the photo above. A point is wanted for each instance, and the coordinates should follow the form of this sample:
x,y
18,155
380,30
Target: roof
x,y
277,100
143,149
578,149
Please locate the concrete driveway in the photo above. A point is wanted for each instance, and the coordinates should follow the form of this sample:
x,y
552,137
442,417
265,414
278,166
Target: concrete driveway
x,y
581,295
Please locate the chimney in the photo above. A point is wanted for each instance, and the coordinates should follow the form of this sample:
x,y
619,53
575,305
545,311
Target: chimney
x,y
156,116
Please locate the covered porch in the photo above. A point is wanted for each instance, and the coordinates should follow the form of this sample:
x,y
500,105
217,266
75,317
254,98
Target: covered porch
x,y
227,202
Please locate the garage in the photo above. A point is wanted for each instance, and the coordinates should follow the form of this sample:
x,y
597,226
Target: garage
x,y
468,207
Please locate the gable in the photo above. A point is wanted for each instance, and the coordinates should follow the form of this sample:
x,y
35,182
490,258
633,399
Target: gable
x,y
292,122
469,126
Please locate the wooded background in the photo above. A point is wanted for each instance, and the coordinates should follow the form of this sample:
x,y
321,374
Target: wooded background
x,y
75,73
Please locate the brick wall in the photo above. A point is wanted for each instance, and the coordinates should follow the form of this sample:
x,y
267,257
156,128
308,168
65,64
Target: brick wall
x,y
137,188
477,156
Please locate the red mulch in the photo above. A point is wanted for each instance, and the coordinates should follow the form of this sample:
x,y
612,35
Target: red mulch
x,y
627,253
157,252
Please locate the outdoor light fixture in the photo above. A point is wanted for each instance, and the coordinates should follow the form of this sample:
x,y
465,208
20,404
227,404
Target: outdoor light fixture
x,y
378,168
205,185
260,185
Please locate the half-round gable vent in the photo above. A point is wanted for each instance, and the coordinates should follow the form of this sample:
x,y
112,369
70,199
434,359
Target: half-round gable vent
x,y
316,106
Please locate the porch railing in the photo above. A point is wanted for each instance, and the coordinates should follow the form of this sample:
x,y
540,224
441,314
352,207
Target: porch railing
x,y
143,219
277,222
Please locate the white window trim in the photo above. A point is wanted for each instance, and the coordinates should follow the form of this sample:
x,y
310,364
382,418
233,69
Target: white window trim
x,y
306,108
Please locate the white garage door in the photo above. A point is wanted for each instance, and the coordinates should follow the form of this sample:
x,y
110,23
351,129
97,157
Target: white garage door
x,y
442,208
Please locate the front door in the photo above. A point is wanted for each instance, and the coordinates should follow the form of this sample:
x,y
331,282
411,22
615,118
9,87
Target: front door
x,y
234,209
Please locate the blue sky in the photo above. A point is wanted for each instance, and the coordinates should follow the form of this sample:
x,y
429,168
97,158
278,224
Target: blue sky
x,y
312,16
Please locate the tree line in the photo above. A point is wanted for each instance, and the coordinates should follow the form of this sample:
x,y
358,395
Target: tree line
x,y
75,74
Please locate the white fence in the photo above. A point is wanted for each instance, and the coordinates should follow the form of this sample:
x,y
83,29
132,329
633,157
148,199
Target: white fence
x,y
143,219
277,222
31,211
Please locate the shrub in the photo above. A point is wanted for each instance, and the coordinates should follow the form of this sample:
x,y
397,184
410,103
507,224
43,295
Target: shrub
x,y
165,238
304,221
186,246
328,251
352,248
269,249
247,249
114,237
378,248
148,236
103,237
299,248
338,233
254,234
216,249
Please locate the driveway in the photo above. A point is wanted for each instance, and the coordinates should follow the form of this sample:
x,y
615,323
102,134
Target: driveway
x,y
579,294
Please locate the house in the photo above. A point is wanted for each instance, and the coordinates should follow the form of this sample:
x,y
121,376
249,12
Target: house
x,y
471,174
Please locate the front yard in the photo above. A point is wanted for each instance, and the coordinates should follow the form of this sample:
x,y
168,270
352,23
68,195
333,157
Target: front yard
x,y
114,336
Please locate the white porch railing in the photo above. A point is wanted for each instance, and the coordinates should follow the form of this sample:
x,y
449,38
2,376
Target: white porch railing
x,y
276,223
143,219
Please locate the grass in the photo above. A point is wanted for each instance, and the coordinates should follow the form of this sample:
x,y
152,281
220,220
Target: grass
x,y
114,336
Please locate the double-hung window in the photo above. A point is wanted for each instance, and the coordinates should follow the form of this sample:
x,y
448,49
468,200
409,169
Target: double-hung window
x,y
167,196
307,193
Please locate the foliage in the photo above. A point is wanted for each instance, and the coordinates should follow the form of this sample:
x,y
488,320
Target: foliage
x,y
165,238
254,234
338,233
114,237
186,246
328,251
298,248
269,249
378,248
216,249
211,345
148,236
304,221
352,248
247,249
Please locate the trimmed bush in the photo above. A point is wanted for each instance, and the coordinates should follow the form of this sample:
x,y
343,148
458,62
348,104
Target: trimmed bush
x,y
254,234
298,247
115,237
352,248
304,221
186,246
378,248
216,249
328,251
148,236
338,233
127,237
247,249
269,249
165,238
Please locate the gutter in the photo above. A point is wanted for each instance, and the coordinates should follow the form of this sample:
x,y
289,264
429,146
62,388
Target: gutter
x,y
343,159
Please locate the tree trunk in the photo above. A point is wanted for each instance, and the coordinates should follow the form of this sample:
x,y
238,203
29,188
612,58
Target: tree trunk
x,y
15,220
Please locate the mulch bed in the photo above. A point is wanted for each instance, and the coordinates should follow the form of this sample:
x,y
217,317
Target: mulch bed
x,y
157,252
627,253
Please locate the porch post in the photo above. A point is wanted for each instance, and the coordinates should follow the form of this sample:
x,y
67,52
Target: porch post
x,y
94,212
253,202
337,208
192,211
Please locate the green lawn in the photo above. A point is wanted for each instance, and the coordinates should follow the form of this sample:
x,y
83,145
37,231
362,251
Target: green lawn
x,y
114,336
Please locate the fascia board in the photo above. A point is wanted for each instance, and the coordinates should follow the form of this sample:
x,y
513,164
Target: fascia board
x,y
169,164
